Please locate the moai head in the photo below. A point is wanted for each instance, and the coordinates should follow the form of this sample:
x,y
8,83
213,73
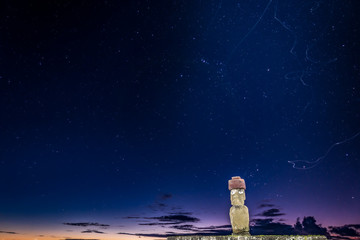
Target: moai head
x,y
237,191
237,197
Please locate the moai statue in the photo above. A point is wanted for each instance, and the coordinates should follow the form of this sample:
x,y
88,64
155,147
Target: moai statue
x,y
239,213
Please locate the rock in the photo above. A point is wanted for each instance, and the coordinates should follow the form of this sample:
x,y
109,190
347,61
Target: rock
x,y
237,183
239,217
239,213
258,237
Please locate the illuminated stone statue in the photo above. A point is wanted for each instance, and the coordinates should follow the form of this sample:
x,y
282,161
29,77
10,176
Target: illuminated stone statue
x,y
239,213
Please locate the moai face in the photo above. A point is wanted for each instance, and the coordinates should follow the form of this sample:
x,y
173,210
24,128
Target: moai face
x,y
237,197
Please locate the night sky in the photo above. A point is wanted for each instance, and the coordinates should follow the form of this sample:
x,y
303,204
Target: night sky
x,y
122,119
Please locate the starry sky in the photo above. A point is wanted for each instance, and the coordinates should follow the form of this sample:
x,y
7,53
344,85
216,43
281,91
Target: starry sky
x,y
125,119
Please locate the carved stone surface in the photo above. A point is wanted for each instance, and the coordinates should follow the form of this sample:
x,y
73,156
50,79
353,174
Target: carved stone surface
x,y
239,217
239,213
258,237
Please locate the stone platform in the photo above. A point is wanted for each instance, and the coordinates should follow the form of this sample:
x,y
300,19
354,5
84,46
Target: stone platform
x,y
254,237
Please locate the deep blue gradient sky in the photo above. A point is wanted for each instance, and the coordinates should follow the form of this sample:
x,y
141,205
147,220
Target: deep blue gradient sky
x,y
119,112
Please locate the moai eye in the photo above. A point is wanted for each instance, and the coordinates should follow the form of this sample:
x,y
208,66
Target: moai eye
x,y
233,192
241,191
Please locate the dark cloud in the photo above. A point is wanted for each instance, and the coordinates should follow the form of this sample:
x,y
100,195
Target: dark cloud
x,y
166,196
181,213
193,230
92,231
262,222
86,224
176,209
357,226
158,206
6,232
171,219
175,218
155,224
264,205
347,230
186,227
268,226
309,226
131,217
161,205
147,235
273,212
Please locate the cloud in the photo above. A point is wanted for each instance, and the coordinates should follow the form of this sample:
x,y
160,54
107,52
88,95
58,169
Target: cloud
x,y
175,219
351,230
264,205
193,230
261,222
155,224
269,223
179,220
273,212
161,204
158,206
309,226
186,227
268,226
87,224
176,208
181,213
171,219
92,231
166,196
6,232
147,235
